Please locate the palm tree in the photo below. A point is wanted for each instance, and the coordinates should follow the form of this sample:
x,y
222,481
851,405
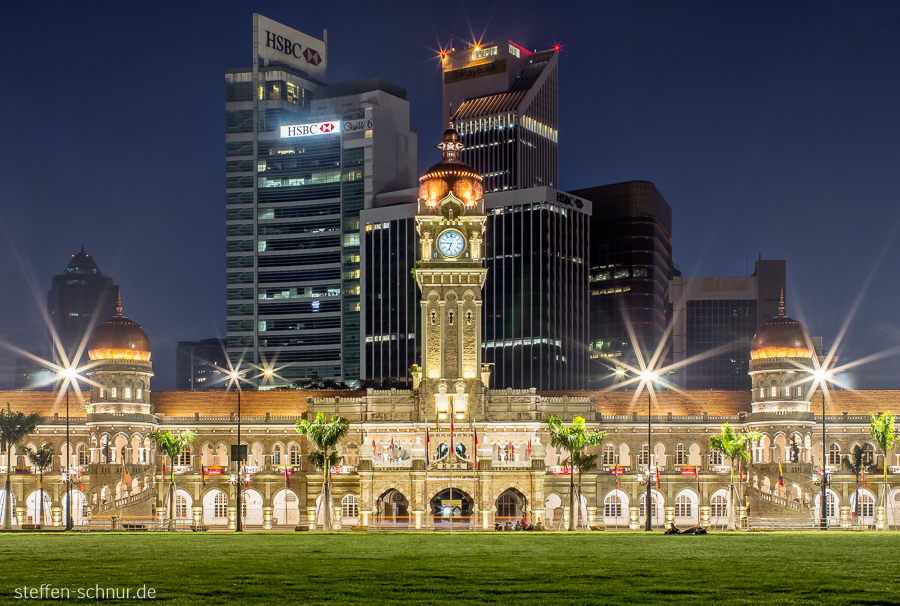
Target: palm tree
x,y
41,458
583,462
14,427
574,439
172,444
325,435
881,429
857,461
734,446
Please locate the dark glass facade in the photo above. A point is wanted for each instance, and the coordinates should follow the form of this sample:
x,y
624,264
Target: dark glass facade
x,y
630,269
726,324
535,310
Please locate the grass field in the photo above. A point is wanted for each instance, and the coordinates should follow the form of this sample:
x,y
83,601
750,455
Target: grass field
x,y
491,568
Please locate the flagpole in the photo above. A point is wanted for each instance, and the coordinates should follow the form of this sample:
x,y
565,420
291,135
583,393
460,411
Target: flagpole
x,y
452,410
427,461
473,513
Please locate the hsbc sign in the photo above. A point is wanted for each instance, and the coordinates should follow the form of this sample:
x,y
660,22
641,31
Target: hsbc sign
x,y
274,42
308,130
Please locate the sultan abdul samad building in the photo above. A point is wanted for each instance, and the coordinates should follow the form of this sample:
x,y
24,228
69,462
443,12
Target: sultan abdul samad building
x,y
394,474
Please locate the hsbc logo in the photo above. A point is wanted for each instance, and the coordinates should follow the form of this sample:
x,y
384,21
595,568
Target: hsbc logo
x,y
569,200
294,49
307,130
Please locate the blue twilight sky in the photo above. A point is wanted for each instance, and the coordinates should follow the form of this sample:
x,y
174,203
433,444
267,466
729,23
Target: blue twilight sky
x,y
771,128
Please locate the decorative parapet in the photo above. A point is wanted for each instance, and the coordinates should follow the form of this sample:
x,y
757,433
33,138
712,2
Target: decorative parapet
x,y
780,416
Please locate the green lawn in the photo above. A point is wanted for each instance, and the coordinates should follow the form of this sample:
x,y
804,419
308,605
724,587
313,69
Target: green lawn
x,y
549,569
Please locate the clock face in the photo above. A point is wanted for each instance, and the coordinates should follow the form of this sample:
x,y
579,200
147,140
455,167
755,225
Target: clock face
x,y
451,243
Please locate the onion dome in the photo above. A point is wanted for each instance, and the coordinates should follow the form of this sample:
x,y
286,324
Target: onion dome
x,y
781,337
119,338
451,175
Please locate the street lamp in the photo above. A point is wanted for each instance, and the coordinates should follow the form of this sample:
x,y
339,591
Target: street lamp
x,y
70,375
648,377
822,376
240,455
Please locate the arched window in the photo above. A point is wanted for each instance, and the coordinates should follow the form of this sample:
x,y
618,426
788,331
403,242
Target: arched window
x,y
506,506
716,458
294,455
612,506
774,391
128,390
869,452
140,391
866,505
834,454
84,457
652,505
113,390
184,458
683,507
350,506
680,455
276,454
644,457
718,507
609,454
762,392
181,506
830,508
220,506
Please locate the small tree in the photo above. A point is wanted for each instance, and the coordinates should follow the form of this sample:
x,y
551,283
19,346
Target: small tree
x,y
734,446
41,458
857,461
881,429
583,462
14,428
172,444
574,439
325,435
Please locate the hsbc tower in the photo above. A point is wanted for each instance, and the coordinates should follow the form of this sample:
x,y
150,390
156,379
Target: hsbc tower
x,y
302,158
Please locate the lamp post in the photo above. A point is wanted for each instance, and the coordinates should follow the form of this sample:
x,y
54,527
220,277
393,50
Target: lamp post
x,y
649,377
240,455
823,376
70,375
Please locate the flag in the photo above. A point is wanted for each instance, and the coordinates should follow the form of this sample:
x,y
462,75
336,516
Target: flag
x,y
374,449
37,479
393,448
246,478
864,477
165,473
427,445
287,478
203,475
125,477
821,470
80,485
657,479
617,481
780,475
475,436
529,449
697,475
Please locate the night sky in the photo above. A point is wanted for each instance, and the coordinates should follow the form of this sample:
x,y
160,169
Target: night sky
x,y
772,129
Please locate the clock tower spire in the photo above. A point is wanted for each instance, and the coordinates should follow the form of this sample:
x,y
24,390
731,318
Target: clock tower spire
x,y
451,222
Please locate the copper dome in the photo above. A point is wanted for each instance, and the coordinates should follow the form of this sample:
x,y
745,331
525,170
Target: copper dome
x,y
781,337
450,175
119,338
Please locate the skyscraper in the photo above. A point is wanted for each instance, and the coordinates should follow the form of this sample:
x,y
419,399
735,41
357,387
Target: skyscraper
x,y
535,316
199,365
78,300
504,102
715,319
631,265
302,159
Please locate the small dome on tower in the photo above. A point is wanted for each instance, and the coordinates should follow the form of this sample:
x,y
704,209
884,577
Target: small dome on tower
x,y
450,176
119,338
781,337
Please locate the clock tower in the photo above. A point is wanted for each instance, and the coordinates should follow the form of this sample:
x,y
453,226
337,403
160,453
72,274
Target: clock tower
x,y
450,222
